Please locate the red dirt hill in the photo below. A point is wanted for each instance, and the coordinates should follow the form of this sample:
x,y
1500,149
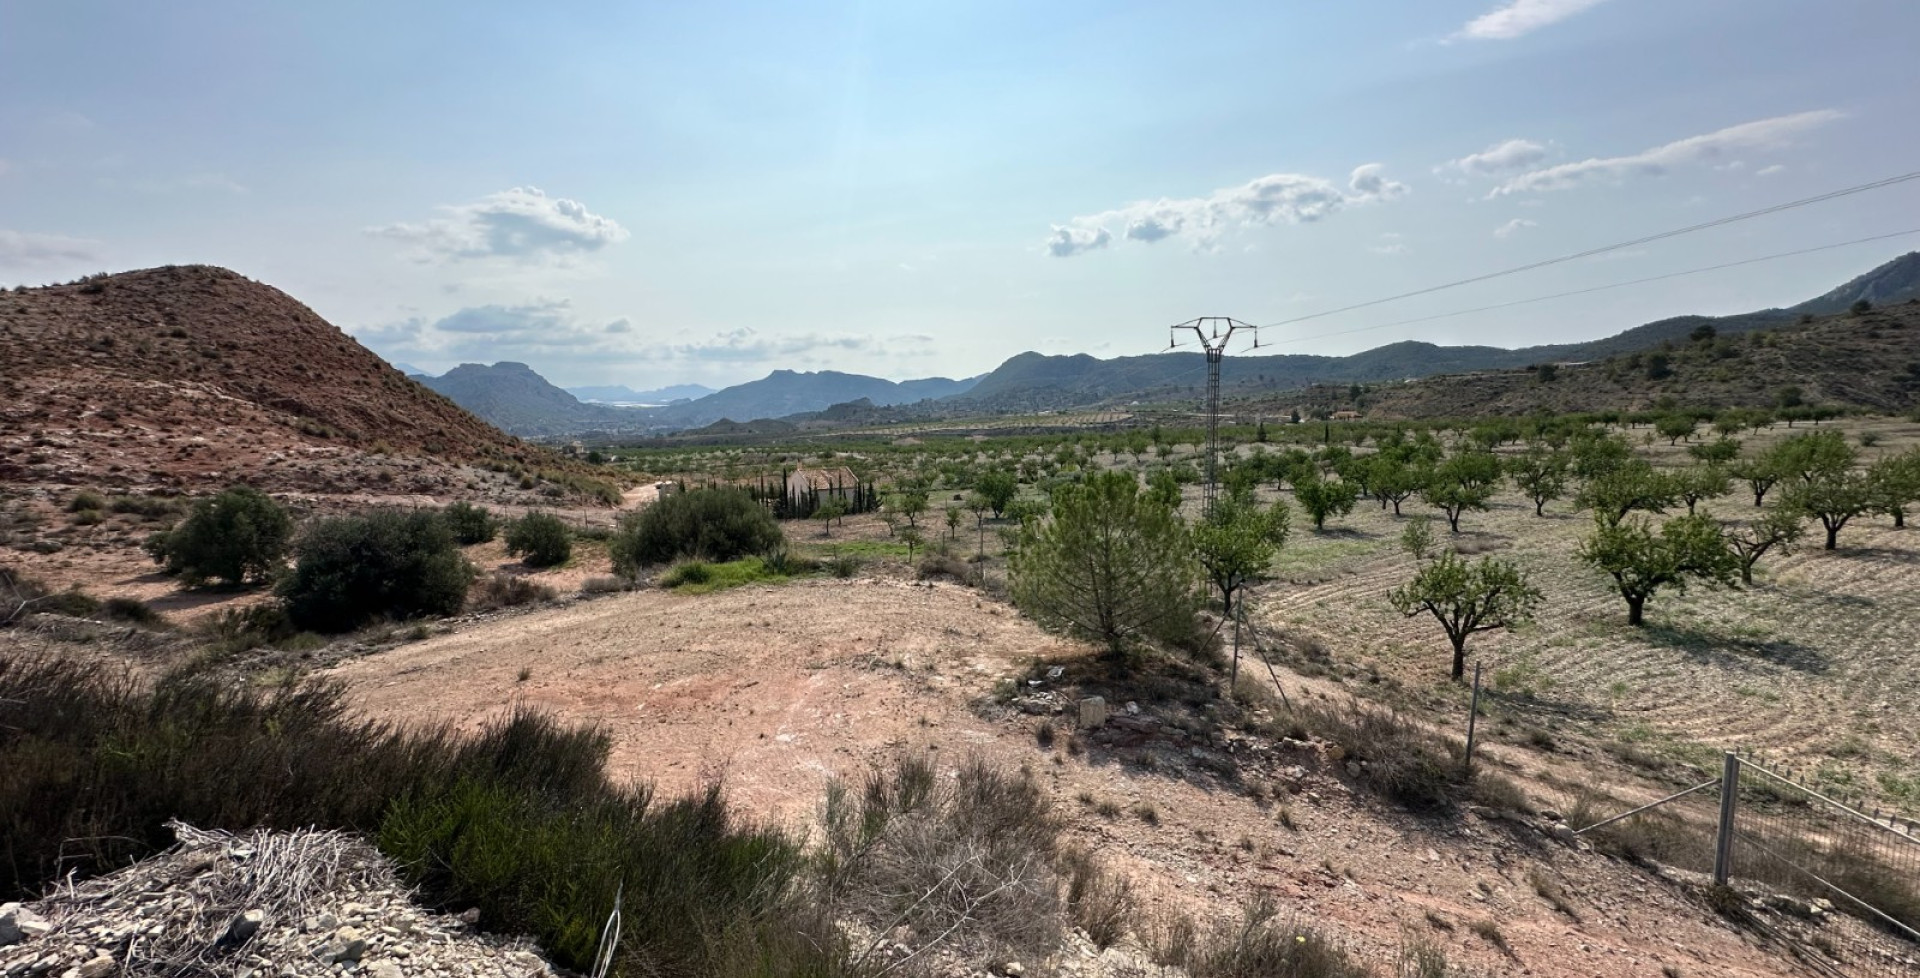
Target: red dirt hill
x,y
193,375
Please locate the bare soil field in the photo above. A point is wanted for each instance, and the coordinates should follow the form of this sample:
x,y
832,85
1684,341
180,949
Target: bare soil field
x,y
778,689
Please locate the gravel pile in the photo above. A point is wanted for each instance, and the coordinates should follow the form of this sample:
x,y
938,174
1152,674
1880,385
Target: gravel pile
x,y
258,905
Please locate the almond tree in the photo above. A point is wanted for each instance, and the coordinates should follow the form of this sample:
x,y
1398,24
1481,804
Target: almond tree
x,y
1642,561
1834,498
1466,598
1894,484
1632,485
1465,481
1541,473
1779,527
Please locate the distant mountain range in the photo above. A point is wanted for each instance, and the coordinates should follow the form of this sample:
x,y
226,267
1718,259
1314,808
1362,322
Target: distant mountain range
x,y
618,394
514,397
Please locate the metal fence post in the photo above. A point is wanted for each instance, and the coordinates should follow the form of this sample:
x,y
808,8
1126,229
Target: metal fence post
x,y
1473,714
1729,800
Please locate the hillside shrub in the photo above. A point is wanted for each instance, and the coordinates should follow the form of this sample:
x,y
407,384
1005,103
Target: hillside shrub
x,y
470,524
85,500
238,536
352,570
703,524
519,821
503,590
540,539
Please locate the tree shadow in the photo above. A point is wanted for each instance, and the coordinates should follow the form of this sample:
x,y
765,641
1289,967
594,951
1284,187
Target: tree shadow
x,y
1894,555
1343,533
1723,650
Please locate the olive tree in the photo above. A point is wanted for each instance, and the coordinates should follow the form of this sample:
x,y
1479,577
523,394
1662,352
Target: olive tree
x,y
999,487
1642,560
1466,598
237,536
1110,564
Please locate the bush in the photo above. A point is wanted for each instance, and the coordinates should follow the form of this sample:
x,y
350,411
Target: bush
x,y
237,630
687,572
948,567
355,569
935,853
703,524
504,590
1397,759
544,540
85,500
470,524
519,821
1256,946
131,610
237,536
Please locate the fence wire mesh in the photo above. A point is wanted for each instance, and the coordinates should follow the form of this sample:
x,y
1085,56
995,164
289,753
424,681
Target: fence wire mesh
x,y
1847,882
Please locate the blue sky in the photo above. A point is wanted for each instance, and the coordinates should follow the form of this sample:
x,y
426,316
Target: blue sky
x,y
653,194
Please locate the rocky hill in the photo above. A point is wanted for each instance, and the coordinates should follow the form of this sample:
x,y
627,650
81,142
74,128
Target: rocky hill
x,y
787,392
1869,360
516,399
1032,381
194,375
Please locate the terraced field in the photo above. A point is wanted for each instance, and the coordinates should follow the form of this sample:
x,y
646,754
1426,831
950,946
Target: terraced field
x,y
1817,665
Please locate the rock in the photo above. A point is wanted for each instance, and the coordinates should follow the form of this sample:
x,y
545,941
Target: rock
x,y
1013,969
385,969
346,945
470,916
17,924
1563,832
1093,712
244,927
97,967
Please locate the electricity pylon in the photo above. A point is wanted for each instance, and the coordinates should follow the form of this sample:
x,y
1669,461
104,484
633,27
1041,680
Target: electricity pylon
x,y
1213,333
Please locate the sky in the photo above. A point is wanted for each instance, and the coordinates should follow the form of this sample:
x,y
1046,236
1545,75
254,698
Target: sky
x,y
648,194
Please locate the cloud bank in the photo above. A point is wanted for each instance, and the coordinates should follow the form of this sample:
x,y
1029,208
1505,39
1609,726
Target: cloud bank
x,y
1707,148
1518,18
25,249
1278,198
1501,158
523,224
556,337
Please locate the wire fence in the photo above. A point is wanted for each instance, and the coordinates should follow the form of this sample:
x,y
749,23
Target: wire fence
x,y
1837,888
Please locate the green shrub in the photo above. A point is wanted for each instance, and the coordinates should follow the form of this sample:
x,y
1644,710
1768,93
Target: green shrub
x,y
542,538
237,536
84,500
354,569
703,524
1256,946
264,625
470,524
520,821
687,572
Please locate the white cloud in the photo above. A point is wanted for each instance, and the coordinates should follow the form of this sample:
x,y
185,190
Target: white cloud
x,y
551,335
1514,154
521,224
1518,18
4,166
1514,227
1768,171
1278,198
1657,161
24,249
1066,242
1391,243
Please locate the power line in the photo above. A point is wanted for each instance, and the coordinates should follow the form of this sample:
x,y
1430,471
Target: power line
x,y
1589,253
1598,288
